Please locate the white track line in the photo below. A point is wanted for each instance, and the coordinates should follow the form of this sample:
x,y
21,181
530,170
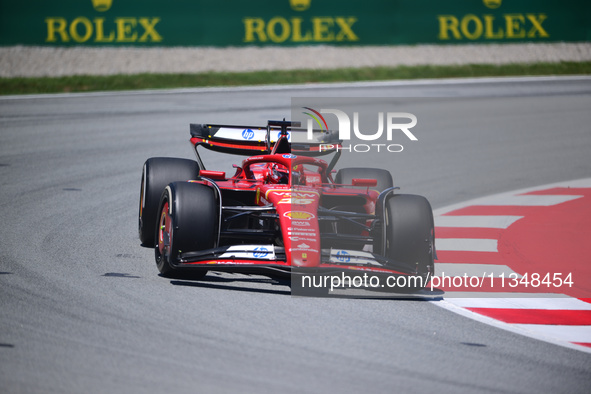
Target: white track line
x,y
563,333
537,201
481,300
476,221
466,244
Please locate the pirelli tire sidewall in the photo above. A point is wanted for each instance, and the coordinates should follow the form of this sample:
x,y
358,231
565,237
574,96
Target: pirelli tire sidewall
x,y
410,233
157,173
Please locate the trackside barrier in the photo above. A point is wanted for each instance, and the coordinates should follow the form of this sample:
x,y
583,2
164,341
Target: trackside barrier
x,y
290,22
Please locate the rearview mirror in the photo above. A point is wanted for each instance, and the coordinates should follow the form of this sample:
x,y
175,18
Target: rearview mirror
x,y
365,182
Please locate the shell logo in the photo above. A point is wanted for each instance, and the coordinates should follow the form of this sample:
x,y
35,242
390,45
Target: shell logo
x,y
299,215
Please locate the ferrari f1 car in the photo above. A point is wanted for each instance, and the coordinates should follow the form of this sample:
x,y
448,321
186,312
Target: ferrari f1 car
x,y
285,210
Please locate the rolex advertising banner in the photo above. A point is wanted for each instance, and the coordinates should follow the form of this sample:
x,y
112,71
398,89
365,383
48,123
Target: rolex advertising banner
x,y
290,22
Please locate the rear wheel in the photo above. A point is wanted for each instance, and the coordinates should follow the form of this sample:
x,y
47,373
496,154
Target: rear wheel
x,y
410,233
384,178
188,221
159,172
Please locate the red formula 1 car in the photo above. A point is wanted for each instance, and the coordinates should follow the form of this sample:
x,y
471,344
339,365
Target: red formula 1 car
x,y
282,211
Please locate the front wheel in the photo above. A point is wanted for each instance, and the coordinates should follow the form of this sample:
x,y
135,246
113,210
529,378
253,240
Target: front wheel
x,y
188,221
410,233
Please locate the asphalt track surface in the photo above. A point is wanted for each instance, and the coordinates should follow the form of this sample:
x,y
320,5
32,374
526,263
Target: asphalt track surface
x,y
84,310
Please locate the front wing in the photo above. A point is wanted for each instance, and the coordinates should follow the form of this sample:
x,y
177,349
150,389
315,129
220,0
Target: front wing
x,y
271,260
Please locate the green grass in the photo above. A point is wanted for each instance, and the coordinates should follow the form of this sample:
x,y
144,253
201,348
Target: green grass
x,y
87,83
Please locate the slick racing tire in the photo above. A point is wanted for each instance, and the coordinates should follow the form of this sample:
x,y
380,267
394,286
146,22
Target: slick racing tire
x,y
346,175
188,221
159,172
410,234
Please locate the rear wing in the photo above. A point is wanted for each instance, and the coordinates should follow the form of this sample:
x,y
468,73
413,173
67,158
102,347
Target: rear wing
x,y
250,140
